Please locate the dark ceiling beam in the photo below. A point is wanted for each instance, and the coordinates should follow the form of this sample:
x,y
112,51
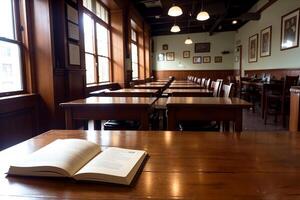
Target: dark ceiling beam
x,y
220,19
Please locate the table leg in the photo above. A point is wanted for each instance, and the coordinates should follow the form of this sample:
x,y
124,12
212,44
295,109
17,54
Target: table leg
x,y
97,124
144,121
69,119
239,120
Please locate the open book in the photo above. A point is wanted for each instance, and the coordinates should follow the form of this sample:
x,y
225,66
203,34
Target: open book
x,y
81,160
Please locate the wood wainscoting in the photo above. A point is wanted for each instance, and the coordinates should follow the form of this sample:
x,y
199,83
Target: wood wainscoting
x,y
276,73
18,119
182,74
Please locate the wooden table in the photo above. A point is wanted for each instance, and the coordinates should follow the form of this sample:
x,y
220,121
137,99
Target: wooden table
x,y
294,122
132,92
106,108
189,92
149,86
181,165
185,86
205,108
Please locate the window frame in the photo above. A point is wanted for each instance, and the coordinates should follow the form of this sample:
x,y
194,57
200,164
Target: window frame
x,y
137,48
18,29
95,54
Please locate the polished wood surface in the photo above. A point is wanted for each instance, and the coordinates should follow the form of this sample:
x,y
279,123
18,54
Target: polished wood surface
x,y
189,92
181,165
105,108
185,86
149,86
133,92
205,108
294,109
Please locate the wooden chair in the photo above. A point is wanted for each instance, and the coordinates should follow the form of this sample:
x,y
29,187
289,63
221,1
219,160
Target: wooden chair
x,y
207,83
199,81
202,82
228,90
277,101
217,88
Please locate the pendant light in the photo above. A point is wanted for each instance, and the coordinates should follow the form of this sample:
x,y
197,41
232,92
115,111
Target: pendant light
x,y
188,40
175,11
202,15
175,28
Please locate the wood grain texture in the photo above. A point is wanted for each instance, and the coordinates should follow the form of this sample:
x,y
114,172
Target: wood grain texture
x,y
18,119
294,122
277,73
181,165
182,74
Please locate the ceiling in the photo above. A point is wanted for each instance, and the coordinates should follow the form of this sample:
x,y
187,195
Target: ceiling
x,y
222,13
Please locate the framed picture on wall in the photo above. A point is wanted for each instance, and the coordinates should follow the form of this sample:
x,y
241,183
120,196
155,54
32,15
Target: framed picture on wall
x,y
186,54
202,47
170,56
161,57
206,59
265,41
218,59
252,48
165,47
197,59
290,30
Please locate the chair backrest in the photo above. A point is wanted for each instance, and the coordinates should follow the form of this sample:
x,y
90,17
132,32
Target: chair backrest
x,y
195,79
216,92
227,90
202,82
198,80
207,83
288,82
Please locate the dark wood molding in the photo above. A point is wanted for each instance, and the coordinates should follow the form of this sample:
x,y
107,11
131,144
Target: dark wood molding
x,y
276,73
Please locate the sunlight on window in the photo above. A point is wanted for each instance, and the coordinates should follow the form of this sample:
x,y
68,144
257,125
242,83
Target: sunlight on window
x,y
102,40
6,19
10,67
90,68
134,60
103,69
88,25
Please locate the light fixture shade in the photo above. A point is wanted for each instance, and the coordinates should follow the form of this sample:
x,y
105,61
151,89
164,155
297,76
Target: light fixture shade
x,y
175,11
175,29
234,22
188,41
202,16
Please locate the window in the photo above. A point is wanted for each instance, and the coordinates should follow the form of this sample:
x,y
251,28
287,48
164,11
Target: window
x,y
11,79
96,42
134,55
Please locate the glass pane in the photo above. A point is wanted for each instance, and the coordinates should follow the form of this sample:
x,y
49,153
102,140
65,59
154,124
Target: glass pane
x,y
90,68
134,54
88,4
133,35
103,69
6,19
135,71
10,67
88,25
98,9
102,41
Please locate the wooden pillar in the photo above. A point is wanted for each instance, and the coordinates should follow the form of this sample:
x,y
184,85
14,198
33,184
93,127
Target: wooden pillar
x,y
294,109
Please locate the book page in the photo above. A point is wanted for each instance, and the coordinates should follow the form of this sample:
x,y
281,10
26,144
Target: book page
x,y
114,164
63,157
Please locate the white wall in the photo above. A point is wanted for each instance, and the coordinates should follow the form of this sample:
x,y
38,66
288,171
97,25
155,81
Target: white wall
x,y
219,42
270,16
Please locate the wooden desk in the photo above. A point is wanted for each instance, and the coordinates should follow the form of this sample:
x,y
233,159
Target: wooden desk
x,y
185,86
105,108
294,109
205,108
132,92
189,92
181,165
149,86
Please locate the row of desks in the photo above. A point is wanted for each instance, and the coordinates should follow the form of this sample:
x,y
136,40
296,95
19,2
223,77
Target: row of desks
x,y
138,108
